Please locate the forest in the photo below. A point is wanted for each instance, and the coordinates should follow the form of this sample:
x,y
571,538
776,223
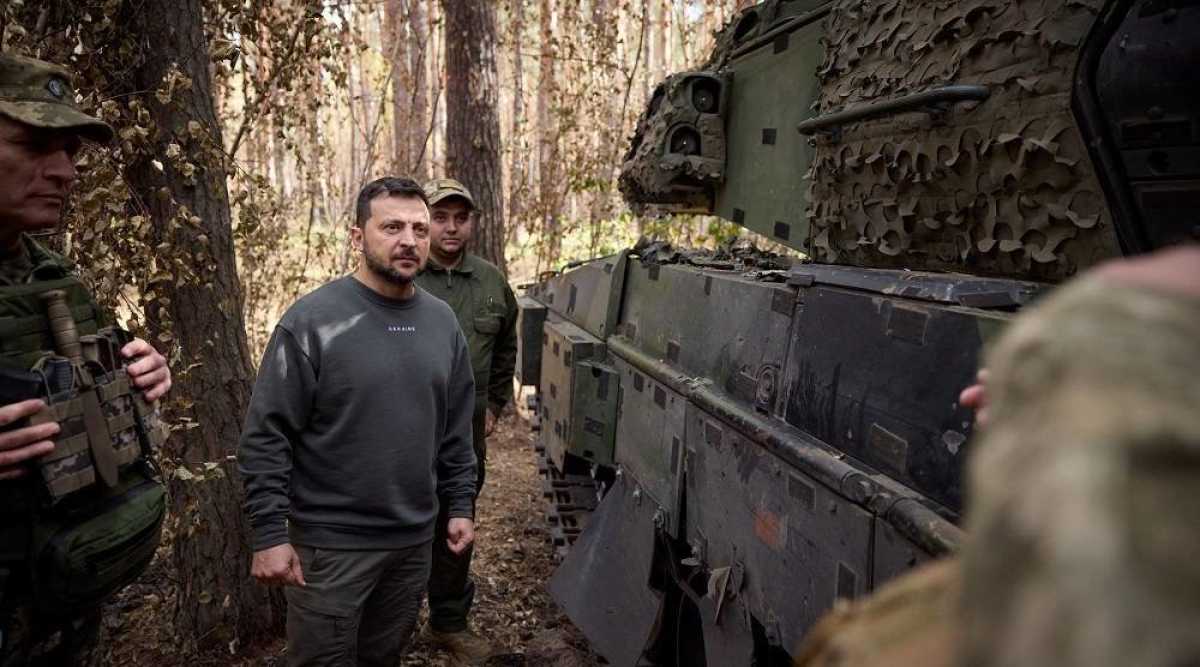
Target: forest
x,y
245,129
958,396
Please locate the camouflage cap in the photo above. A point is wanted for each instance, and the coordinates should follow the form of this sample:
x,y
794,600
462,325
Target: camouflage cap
x,y
440,189
39,93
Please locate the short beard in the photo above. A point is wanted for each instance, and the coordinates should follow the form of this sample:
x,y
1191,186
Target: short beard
x,y
384,269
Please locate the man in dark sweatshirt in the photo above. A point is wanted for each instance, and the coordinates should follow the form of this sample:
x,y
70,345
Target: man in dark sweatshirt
x,y
359,423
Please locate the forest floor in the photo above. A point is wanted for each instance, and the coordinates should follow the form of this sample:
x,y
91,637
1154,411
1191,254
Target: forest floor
x,y
513,561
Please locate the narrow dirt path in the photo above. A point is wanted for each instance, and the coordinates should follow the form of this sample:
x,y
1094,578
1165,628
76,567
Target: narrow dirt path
x,y
513,562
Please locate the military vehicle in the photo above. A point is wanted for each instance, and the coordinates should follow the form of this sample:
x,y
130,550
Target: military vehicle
x,y
770,436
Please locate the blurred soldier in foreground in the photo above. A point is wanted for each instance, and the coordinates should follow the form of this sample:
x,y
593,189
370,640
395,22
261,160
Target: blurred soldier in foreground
x,y
487,312
1084,517
80,508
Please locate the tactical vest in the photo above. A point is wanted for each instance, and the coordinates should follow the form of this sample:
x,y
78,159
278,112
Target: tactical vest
x,y
87,520
106,426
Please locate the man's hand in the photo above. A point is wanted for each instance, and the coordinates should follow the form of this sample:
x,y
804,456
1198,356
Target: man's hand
x,y
22,445
460,533
489,422
149,373
976,398
278,566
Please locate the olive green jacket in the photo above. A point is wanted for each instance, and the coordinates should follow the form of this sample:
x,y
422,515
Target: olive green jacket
x,y
33,261
32,270
487,312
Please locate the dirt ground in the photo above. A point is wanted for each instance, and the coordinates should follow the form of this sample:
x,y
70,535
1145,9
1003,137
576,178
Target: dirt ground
x,y
513,562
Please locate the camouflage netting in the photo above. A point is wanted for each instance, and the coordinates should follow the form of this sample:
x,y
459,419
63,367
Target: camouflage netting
x,y
1005,188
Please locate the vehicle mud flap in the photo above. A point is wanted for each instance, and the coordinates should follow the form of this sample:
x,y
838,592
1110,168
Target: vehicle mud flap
x,y
603,583
728,636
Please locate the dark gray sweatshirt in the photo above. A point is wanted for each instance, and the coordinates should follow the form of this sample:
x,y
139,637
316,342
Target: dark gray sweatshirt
x,y
359,422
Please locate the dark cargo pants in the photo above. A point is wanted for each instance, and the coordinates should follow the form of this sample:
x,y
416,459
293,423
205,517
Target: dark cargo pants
x,y
359,607
451,590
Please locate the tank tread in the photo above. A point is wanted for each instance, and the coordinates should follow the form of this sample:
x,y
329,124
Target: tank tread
x,y
568,501
574,498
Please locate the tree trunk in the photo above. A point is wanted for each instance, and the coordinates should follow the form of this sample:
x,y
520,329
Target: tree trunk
x,y
396,35
419,118
436,145
406,47
680,36
658,63
606,129
648,48
370,111
472,117
641,59
517,160
548,167
283,185
200,299
600,15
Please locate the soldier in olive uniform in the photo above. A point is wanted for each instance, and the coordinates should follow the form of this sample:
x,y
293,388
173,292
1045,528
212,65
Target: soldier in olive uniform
x,y
40,133
487,313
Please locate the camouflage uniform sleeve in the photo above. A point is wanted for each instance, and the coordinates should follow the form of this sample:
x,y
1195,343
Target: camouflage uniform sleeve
x,y
504,355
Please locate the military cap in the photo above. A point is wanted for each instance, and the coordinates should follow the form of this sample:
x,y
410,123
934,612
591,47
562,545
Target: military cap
x,y
39,93
440,189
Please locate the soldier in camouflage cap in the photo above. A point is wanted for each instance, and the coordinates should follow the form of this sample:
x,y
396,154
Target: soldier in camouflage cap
x,y
486,309
41,130
39,94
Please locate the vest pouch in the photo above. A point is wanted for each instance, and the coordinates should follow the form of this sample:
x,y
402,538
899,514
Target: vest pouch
x,y
25,334
83,554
